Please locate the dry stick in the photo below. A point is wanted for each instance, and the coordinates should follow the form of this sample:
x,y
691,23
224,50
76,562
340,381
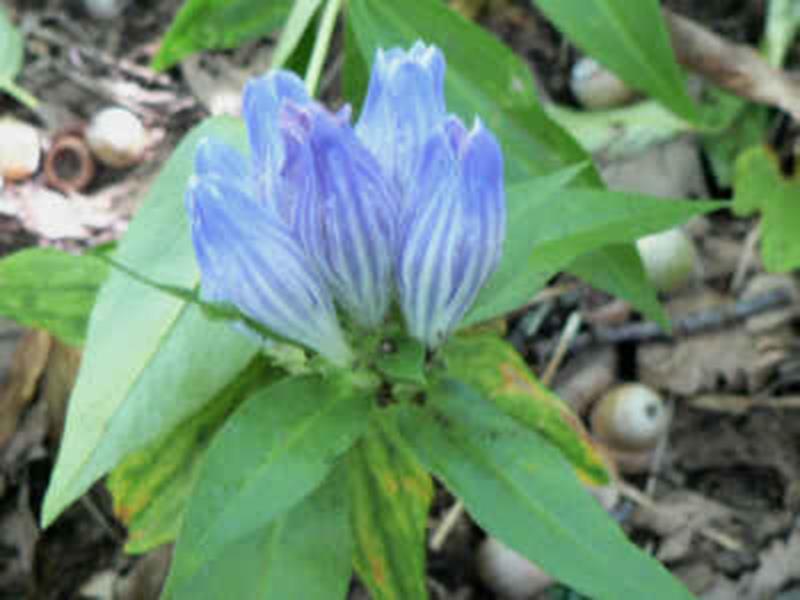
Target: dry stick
x,y
736,68
692,324
709,532
746,257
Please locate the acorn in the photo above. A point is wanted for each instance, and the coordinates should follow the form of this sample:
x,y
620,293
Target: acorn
x,y
104,10
629,418
669,258
596,88
20,150
116,137
509,574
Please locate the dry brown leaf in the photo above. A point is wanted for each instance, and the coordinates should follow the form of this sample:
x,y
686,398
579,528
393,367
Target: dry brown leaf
x,y
59,379
702,363
677,518
27,366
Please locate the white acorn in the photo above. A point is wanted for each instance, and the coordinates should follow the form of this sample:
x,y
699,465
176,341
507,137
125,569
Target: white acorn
x,y
20,150
116,137
104,10
595,87
629,418
509,574
669,258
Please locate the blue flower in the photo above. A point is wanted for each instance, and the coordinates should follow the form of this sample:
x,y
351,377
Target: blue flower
x,y
247,253
404,105
408,206
451,239
348,222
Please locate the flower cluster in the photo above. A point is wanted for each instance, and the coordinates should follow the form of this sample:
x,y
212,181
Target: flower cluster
x,y
407,205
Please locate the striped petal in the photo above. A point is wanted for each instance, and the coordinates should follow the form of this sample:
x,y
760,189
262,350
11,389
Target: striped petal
x,y
451,239
263,101
248,258
348,223
404,105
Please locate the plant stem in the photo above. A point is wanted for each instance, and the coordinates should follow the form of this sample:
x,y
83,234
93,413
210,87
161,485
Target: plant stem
x,y
20,94
321,44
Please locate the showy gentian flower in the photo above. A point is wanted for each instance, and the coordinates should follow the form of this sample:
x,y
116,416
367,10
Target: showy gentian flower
x,y
408,205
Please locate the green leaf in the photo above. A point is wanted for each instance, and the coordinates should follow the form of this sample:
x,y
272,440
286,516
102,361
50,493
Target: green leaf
x,y
12,51
630,39
760,186
484,78
493,367
299,19
52,290
218,24
150,360
519,488
548,229
274,450
620,132
406,363
618,270
305,554
355,72
390,494
152,486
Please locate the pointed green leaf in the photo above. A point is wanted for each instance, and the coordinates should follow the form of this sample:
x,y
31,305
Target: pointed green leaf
x,y
484,79
272,452
519,488
217,24
299,19
52,290
493,367
630,39
618,270
305,554
549,228
151,487
12,54
390,495
150,360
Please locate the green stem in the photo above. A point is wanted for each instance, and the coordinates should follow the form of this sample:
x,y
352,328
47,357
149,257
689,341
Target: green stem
x,y
321,44
21,94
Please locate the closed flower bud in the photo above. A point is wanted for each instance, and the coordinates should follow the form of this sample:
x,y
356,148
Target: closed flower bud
x,y
263,102
347,221
451,239
248,258
404,104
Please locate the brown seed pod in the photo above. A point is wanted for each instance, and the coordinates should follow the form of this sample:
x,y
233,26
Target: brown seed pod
x,y
629,418
69,166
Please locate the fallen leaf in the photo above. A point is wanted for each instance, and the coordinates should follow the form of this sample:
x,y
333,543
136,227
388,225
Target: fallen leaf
x,y
27,366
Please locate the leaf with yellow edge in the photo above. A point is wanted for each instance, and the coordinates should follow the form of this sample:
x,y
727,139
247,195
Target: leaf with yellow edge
x,y
390,493
492,366
150,487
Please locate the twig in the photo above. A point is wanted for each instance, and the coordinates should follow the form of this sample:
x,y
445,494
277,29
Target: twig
x,y
692,324
715,535
737,68
564,343
450,520
107,60
746,257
